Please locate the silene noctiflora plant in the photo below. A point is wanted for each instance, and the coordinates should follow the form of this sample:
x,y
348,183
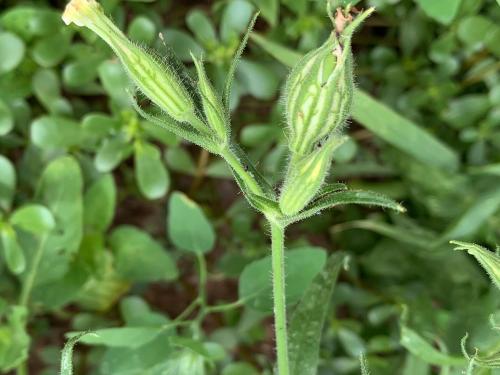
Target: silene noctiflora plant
x,y
318,97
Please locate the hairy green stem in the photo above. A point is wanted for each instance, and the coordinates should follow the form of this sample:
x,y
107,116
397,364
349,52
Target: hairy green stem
x,y
278,266
242,171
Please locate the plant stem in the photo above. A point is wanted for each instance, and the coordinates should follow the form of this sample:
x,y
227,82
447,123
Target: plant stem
x,y
278,265
242,171
202,283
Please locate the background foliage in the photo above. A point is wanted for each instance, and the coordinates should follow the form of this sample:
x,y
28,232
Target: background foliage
x,y
111,219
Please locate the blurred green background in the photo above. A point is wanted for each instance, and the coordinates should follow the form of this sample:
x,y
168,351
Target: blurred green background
x,y
425,131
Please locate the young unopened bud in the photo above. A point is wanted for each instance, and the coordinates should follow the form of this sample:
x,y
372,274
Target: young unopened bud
x,y
319,96
212,104
305,176
319,90
156,80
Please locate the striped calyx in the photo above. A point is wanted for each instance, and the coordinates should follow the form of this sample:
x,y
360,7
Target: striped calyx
x,y
156,80
319,94
305,176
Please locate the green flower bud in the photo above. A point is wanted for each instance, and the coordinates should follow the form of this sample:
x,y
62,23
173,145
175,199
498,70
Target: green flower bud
x,y
157,81
305,176
213,108
319,95
319,90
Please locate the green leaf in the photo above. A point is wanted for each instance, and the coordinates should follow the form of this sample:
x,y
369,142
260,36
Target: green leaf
x,y
150,172
136,361
12,51
100,204
301,264
77,74
235,18
258,78
226,97
67,353
338,198
269,9
308,319
116,82
47,89
136,312
284,55
180,160
14,255
124,337
239,368
55,133
419,347
33,218
187,226
381,120
443,11
142,30
112,152
6,119
44,52
138,257
474,217
478,31
402,133
60,190
488,259
201,26
14,343
183,44
7,182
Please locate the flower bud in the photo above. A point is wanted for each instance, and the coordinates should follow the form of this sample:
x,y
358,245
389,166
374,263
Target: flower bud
x,y
214,111
319,95
305,176
157,81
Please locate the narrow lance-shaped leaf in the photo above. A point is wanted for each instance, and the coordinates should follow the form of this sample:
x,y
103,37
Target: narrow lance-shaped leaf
x,y
346,197
309,317
234,63
488,259
416,345
474,216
